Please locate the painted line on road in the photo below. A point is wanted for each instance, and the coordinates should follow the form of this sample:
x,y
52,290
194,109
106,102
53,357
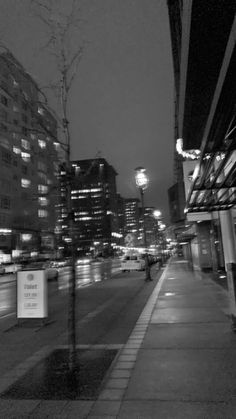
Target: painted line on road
x,y
7,315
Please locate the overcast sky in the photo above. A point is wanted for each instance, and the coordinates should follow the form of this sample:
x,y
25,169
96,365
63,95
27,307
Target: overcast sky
x,y
122,99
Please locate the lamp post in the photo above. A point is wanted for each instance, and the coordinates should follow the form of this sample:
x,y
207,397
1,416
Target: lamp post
x,y
142,181
157,215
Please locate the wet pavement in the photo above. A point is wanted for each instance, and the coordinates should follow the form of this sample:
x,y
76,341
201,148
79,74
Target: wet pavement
x,y
178,362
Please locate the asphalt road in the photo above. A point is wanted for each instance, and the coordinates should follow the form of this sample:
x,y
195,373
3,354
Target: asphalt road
x,y
106,312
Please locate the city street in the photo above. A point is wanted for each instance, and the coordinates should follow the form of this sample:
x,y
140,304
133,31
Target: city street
x,y
108,305
86,274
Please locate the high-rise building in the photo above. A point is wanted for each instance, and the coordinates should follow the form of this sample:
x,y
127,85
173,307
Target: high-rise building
x,y
29,161
121,217
131,217
150,225
94,206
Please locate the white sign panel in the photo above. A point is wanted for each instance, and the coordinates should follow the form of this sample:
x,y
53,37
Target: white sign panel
x,y
32,296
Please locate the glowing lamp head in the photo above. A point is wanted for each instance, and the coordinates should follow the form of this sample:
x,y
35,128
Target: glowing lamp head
x,y
141,178
157,213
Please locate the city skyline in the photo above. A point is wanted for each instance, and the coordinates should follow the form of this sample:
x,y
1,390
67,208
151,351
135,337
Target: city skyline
x,y
122,100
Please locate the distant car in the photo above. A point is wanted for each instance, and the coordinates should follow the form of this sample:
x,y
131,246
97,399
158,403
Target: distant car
x,y
132,263
84,261
51,271
2,270
10,267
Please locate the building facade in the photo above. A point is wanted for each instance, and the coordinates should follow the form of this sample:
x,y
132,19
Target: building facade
x,y
204,57
132,218
29,163
94,206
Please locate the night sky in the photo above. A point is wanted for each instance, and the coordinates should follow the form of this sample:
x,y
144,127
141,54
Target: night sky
x,y
122,100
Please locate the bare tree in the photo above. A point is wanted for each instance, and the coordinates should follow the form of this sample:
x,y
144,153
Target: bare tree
x,y
62,23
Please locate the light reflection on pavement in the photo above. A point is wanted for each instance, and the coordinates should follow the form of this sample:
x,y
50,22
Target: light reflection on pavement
x,y
85,275
90,273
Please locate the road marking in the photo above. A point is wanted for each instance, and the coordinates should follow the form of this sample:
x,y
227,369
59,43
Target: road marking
x,y
7,315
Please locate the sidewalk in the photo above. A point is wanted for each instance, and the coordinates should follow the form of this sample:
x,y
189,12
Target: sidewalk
x,y
179,361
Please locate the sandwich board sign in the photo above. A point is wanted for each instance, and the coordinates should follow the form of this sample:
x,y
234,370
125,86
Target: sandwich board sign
x,y
32,301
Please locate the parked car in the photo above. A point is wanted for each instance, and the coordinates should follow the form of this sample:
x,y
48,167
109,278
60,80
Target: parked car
x,y
132,263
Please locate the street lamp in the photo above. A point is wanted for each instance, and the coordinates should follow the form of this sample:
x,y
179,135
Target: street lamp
x,y
157,215
142,181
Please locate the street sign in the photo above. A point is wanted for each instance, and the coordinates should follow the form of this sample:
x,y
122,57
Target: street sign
x,y
32,301
129,239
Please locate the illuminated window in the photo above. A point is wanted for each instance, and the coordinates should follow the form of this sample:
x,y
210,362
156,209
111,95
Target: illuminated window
x,y
42,189
42,143
25,144
25,157
56,145
40,110
25,183
16,150
42,213
43,201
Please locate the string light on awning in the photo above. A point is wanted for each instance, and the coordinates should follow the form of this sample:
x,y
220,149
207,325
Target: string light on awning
x,y
190,154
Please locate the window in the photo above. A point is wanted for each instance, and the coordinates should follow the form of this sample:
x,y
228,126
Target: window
x,y
6,157
42,189
3,115
24,118
24,105
24,170
25,157
41,166
24,130
15,108
16,150
43,201
15,84
25,144
5,202
40,110
3,127
42,213
25,183
43,177
4,100
42,144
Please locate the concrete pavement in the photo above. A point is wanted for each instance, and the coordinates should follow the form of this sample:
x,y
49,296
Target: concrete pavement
x,y
179,361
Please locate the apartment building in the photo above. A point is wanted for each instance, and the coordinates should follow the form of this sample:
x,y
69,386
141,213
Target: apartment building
x,y
29,163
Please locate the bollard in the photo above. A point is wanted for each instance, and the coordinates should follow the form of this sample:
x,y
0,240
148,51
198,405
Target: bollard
x,y
231,280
